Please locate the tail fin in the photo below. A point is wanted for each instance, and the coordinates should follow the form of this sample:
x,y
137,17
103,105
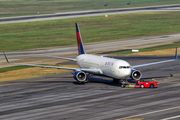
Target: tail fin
x,y
79,41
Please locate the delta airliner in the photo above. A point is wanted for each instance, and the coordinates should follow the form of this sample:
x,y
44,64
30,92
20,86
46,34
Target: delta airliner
x,y
99,65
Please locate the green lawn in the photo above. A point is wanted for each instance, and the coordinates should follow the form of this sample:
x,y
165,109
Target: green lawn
x,y
30,35
69,5
13,68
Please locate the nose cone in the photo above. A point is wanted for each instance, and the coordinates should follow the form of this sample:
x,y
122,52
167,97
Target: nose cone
x,y
124,69
126,72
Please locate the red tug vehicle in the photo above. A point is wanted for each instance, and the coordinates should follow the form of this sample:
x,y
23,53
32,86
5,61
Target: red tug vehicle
x,y
145,84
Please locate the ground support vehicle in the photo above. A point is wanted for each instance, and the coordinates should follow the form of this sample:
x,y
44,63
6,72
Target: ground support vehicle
x,y
146,84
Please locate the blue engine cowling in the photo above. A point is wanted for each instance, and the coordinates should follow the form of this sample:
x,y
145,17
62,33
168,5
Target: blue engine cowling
x,y
135,74
80,76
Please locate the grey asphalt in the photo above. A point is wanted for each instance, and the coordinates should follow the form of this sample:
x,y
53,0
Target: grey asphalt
x,y
60,97
74,14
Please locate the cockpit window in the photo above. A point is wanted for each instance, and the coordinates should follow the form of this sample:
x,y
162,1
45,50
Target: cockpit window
x,y
120,67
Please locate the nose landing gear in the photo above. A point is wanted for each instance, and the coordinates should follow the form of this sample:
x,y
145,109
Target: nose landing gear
x,y
122,82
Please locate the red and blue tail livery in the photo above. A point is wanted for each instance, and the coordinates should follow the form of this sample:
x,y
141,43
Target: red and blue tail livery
x,y
79,41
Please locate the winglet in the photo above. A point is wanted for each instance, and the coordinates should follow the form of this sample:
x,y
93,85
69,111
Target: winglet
x,y
6,57
176,54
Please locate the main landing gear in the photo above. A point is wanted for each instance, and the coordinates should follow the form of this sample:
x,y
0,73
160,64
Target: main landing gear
x,y
83,82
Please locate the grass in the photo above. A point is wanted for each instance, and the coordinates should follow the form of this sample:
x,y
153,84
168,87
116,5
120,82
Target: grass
x,y
25,73
13,68
150,49
71,5
31,35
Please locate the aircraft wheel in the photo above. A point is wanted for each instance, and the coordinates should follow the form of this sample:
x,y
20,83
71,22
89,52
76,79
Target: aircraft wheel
x,y
142,86
82,83
122,85
86,81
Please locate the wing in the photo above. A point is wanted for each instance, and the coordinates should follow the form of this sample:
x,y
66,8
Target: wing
x,y
147,64
63,58
93,71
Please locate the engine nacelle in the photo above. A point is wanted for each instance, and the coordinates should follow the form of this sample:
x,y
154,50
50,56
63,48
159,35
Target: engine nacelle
x,y
80,76
135,74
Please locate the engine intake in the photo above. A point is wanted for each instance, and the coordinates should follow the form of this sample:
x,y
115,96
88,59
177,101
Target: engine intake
x,y
80,76
135,74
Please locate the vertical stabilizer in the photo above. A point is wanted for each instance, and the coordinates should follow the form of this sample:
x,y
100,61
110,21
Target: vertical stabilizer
x,y
79,41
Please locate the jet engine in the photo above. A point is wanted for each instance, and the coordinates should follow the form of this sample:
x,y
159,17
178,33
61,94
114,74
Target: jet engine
x,y
135,74
80,76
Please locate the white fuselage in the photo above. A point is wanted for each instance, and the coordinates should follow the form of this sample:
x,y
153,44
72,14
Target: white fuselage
x,y
117,69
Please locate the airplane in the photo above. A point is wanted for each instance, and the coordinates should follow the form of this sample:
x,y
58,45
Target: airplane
x,y
118,70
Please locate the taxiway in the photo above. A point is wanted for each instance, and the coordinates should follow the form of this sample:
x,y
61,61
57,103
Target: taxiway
x,y
75,14
60,97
